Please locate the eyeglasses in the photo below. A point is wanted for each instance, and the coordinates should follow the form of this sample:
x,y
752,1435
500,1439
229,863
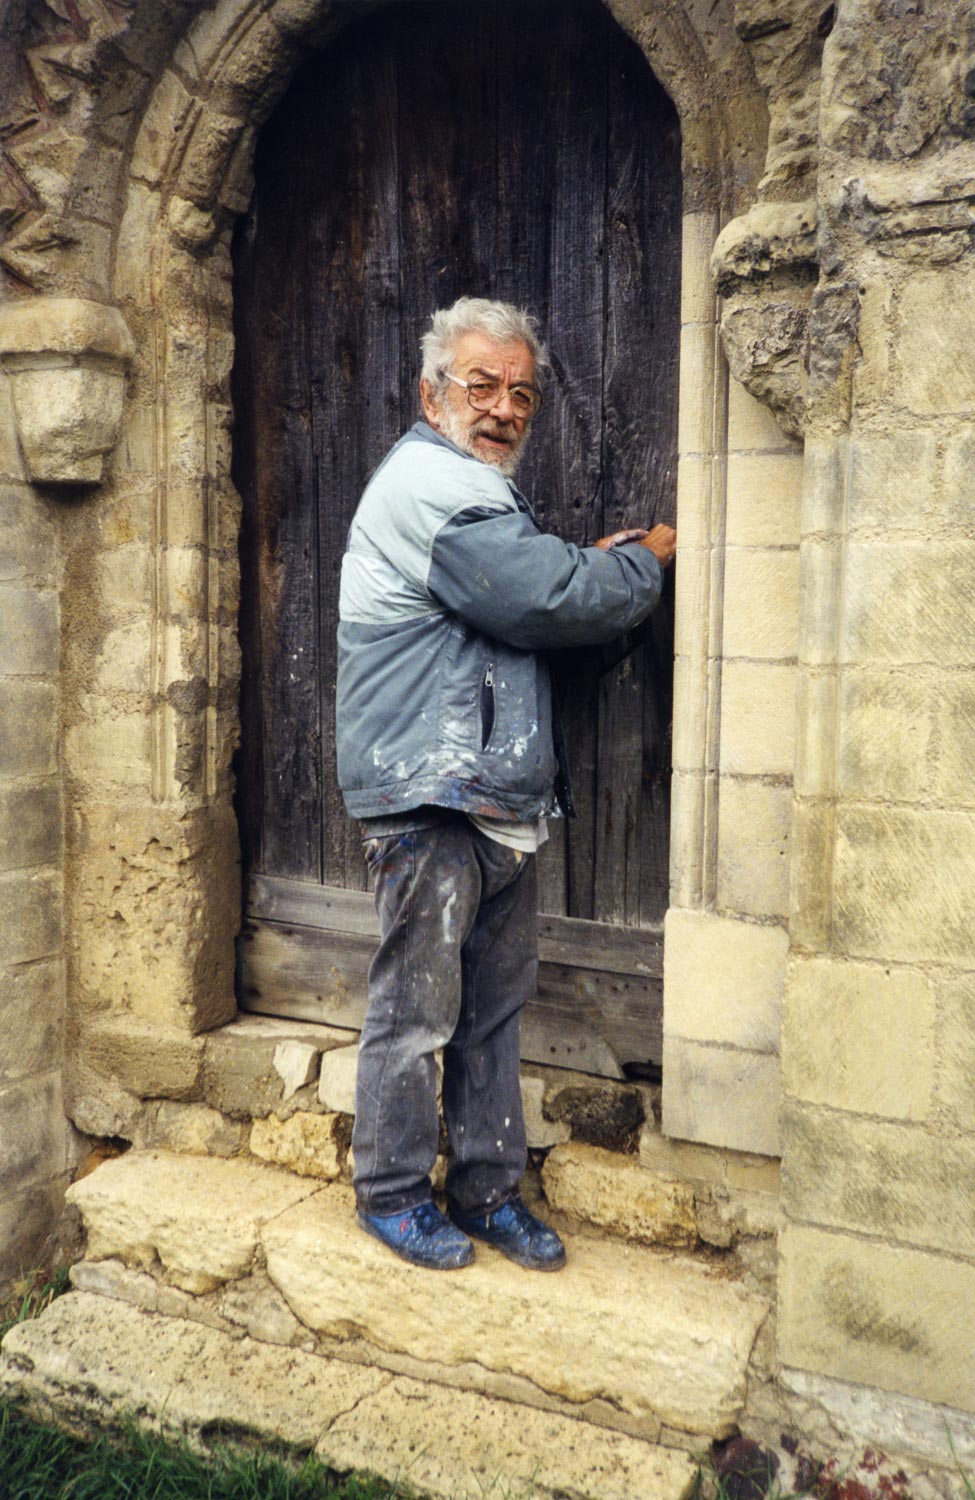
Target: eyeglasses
x,y
483,394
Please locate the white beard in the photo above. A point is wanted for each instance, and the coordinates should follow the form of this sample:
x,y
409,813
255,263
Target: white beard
x,y
463,436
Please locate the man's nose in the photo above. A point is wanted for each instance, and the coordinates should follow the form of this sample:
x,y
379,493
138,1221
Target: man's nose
x,y
504,405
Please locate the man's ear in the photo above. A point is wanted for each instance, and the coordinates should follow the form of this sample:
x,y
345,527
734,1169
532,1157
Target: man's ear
x,y
430,404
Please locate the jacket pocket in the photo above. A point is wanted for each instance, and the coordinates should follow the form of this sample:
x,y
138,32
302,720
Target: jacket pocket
x,y
487,705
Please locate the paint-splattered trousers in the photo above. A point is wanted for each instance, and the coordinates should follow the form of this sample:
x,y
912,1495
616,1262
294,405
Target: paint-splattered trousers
x,y
457,960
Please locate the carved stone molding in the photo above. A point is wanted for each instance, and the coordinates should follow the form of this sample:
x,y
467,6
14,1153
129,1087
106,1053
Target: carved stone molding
x,y
66,360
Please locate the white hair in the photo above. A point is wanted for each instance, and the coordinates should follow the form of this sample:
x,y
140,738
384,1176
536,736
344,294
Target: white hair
x,y
500,321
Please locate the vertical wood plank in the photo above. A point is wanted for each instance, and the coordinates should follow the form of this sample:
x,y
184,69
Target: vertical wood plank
x,y
640,458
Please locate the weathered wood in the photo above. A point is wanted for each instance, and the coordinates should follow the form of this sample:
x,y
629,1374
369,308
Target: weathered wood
x,y
561,940
578,1018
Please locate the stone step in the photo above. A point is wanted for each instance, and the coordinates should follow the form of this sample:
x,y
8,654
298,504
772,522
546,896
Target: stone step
x,y
634,1338
91,1362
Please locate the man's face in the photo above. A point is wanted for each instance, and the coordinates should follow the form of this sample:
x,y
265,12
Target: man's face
x,y
497,436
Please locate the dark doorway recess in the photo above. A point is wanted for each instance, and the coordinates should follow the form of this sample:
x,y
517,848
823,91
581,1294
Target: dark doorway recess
x,y
520,150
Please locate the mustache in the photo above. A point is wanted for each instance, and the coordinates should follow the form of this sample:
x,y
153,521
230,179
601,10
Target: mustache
x,y
493,428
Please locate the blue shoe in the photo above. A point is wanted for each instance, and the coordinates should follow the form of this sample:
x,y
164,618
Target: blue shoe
x,y
422,1236
516,1233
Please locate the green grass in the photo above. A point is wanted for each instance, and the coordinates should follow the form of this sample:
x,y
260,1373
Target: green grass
x,y
43,1463
40,1463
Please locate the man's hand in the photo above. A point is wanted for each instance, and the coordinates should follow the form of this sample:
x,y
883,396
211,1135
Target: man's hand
x,y
660,540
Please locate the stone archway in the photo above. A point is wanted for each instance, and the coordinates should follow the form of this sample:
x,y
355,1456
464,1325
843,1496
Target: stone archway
x,y
150,607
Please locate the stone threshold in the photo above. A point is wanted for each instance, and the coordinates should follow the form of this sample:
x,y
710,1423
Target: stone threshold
x,y
641,1340
90,1362
283,1092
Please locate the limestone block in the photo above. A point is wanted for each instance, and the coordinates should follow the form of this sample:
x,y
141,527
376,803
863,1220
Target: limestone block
x,y
859,1037
902,884
695,486
480,1449
27,1218
124,577
310,1145
811,874
123,661
161,128
954,775
110,749
906,602
692,590
259,1309
681,1361
34,1134
30,915
958,481
154,1061
816,732
11,460
168,1125
825,463
691,678
541,1132
697,302
619,1194
758,716
197,1218
695,431
679,1160
753,847
920,1430
764,496
239,1076
29,631
890,1179
892,479
752,428
295,1064
863,1311
821,585
721,1095
956,1057
31,1009
761,603
96,1361
723,980
30,824
336,1081
27,536
935,333
886,726
66,360
597,1112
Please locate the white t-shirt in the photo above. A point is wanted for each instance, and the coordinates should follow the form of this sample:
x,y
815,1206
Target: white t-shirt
x,y
525,837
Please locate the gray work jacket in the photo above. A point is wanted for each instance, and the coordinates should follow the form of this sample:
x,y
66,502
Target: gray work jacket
x,y
449,594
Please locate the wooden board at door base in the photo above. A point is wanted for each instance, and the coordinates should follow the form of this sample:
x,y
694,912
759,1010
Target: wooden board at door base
x,y
431,150
305,952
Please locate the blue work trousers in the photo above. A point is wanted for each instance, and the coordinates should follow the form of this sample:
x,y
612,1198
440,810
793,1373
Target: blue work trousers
x,y
457,959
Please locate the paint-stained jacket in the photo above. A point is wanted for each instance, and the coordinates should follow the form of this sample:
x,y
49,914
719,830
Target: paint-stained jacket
x,y
449,593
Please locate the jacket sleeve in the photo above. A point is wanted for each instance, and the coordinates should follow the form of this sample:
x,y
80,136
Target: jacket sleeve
x,y
500,574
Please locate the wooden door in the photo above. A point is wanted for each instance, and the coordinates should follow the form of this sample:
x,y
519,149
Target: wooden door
x,y
519,150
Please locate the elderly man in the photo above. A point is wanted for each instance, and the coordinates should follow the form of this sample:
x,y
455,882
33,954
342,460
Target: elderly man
x,y
448,752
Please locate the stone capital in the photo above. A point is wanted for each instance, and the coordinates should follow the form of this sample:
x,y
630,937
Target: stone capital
x,y
66,359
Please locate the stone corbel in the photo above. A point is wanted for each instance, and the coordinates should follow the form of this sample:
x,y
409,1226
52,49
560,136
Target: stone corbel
x,y
765,269
66,359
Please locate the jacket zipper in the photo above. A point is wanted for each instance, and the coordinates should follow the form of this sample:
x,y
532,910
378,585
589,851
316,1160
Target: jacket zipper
x,y
487,705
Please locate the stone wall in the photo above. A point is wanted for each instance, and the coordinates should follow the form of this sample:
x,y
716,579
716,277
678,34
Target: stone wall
x,y
36,1143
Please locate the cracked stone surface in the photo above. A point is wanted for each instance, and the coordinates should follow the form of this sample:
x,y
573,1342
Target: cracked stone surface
x,y
93,1361
677,1357
197,1217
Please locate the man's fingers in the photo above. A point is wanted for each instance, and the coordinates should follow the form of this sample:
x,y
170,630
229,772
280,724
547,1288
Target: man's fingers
x,y
633,534
662,542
